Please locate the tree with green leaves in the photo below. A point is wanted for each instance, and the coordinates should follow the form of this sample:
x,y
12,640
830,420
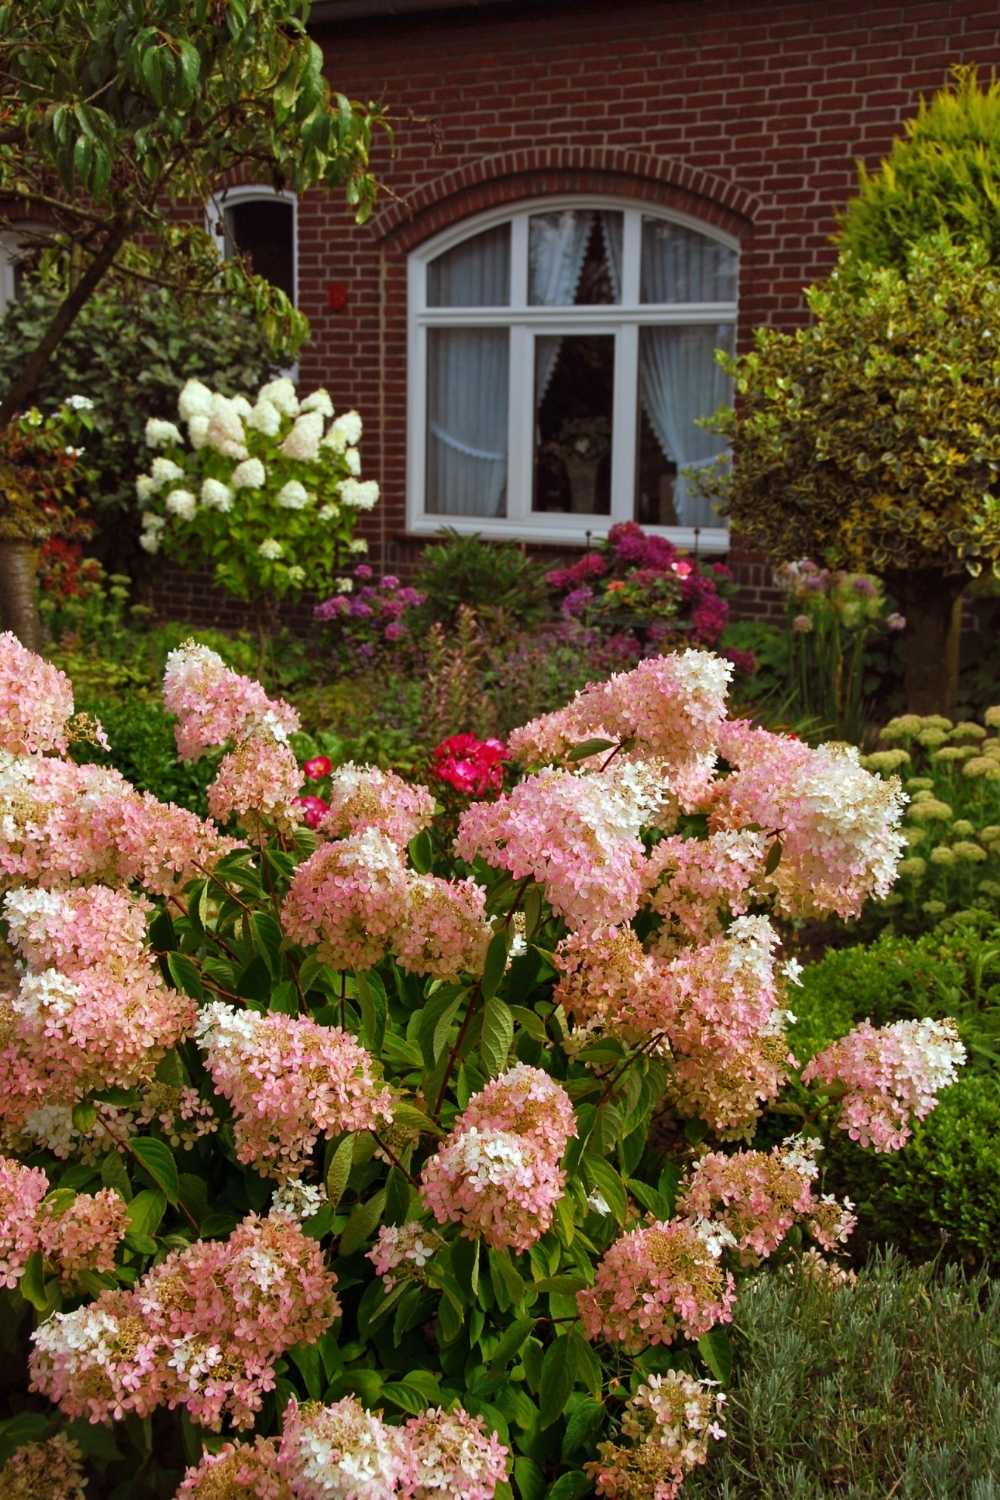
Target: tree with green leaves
x,y
870,440
114,112
944,174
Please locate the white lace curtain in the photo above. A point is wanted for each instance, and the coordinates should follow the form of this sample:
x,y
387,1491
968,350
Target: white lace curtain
x,y
679,380
467,381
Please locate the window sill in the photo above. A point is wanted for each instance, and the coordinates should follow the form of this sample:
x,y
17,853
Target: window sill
x,y
571,532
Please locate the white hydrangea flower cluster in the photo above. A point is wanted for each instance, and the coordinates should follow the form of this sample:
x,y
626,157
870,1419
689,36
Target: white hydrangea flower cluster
x,y
284,473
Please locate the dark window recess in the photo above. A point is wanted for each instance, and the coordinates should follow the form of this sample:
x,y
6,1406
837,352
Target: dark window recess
x,y
264,232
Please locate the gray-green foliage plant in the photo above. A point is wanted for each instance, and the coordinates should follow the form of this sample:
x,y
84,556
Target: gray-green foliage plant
x,y
889,1387
130,351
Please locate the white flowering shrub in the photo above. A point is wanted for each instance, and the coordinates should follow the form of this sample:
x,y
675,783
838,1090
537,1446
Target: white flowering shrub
x,y
268,491
420,1163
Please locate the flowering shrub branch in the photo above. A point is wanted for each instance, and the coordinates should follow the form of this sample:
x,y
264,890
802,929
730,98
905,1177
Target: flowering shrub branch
x,y
343,1144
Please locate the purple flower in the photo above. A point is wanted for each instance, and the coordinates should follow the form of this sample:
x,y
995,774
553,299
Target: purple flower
x,y
363,570
576,601
864,586
359,610
390,581
331,608
395,631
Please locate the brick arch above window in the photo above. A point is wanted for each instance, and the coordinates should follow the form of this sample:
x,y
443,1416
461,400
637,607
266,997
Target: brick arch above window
x,y
660,181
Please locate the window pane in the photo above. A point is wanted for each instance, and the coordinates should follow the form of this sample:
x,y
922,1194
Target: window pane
x,y
474,274
679,265
574,398
574,258
467,381
263,229
679,381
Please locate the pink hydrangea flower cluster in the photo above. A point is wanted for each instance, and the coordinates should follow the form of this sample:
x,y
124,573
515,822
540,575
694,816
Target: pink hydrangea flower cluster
x,y
83,1236
343,1452
203,1329
493,1183
759,1195
21,1191
525,1101
838,824
668,1424
689,880
289,1081
346,898
603,975
61,823
215,705
658,1284
366,797
258,784
889,1076
238,1469
497,1174
727,1089
443,928
357,900
449,1455
340,1452
48,1470
36,701
401,1251
576,835
670,707
102,1019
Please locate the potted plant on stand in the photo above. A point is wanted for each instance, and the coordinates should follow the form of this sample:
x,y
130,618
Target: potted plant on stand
x,y
40,482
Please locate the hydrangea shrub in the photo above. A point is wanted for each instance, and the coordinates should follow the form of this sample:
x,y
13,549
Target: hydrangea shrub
x,y
267,490
356,1160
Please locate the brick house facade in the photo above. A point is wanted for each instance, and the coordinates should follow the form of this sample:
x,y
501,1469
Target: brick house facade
x,y
743,119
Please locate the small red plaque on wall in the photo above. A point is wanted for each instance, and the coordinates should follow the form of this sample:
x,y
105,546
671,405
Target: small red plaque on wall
x,y
336,295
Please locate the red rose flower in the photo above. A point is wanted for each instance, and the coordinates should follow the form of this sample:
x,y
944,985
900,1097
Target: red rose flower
x,y
318,767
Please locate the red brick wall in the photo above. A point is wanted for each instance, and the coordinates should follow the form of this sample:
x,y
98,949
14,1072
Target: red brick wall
x,y
747,113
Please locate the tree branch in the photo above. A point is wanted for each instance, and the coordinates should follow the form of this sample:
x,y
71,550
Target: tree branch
x,y
24,384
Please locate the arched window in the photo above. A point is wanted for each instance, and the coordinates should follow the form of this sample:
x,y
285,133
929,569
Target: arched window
x,y
260,223
560,358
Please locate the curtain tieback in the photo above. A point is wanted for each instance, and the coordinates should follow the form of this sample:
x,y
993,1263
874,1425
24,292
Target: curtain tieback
x,y
452,442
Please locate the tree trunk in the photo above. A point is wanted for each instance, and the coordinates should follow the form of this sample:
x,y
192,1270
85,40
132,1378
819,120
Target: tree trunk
x,y
931,600
26,381
18,595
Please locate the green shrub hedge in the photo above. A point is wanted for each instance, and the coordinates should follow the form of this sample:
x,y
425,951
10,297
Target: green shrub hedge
x,y
942,1192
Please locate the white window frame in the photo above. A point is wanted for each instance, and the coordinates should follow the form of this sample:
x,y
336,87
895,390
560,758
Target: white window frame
x,y
622,319
229,197
13,243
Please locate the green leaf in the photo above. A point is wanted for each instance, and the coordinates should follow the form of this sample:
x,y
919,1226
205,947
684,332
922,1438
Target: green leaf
x,y
421,852
306,1359
773,857
185,975
362,1224
442,1027
401,1393
374,1009
558,1376
716,1350
26,1427
506,1280
590,747
32,1283
582,1426
601,1176
570,1486
145,1212
158,1160
339,1170
495,965
497,1035
114,1175
267,938
529,1479
510,1344
566,1286
84,1116
409,1117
